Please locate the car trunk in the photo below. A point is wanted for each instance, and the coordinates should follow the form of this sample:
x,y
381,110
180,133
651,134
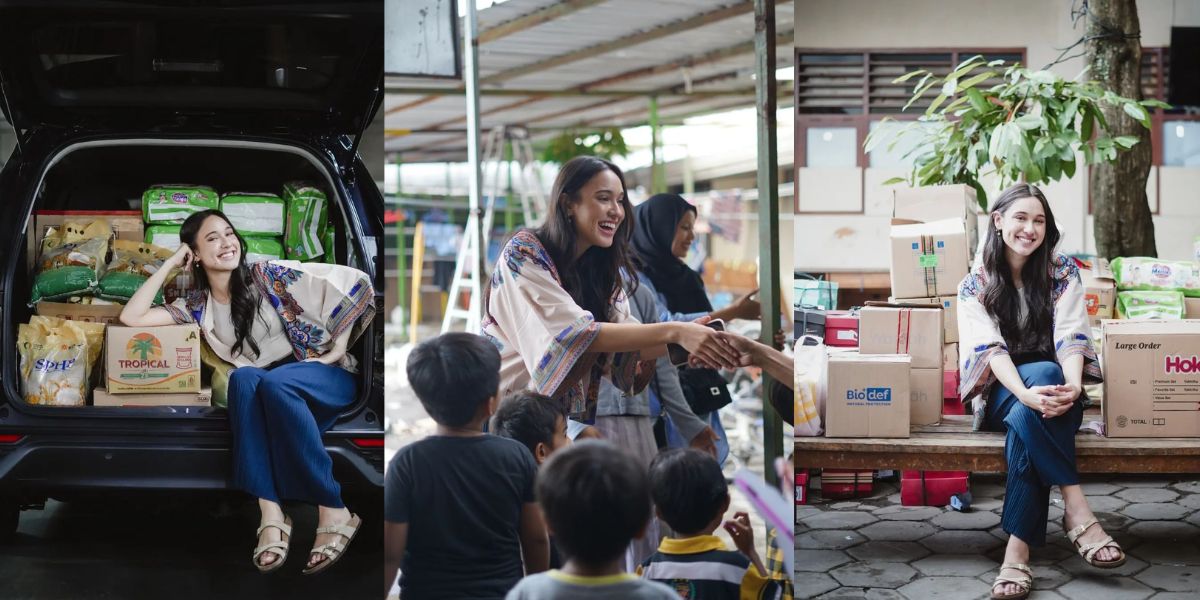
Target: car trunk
x,y
111,174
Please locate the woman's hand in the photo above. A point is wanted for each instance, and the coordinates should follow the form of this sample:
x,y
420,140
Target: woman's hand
x,y
746,307
707,345
706,441
1049,400
182,259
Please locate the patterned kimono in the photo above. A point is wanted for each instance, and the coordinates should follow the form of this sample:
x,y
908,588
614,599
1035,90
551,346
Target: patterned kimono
x,y
543,335
324,308
980,339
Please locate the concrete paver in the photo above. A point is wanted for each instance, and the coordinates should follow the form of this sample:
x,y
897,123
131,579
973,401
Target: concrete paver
x,y
888,551
1157,511
966,520
874,574
945,588
948,542
811,585
1171,578
896,512
820,561
852,593
898,530
1105,588
828,539
1143,495
839,520
954,565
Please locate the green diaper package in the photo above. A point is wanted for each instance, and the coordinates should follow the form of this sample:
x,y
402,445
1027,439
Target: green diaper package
x,y
165,236
1152,274
253,213
328,241
1145,305
170,203
263,248
307,212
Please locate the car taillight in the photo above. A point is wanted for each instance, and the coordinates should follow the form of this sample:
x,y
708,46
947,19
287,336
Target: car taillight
x,y
367,442
12,438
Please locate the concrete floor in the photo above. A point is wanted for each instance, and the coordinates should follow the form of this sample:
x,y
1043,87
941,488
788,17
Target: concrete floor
x,y
873,548
173,548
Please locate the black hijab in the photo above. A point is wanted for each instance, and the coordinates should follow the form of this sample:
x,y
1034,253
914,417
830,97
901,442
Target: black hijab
x,y
654,228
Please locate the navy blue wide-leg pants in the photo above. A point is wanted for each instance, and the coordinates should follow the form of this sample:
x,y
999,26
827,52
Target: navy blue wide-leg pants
x,y
277,417
1040,452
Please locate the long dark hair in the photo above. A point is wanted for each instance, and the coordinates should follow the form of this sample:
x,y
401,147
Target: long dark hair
x,y
244,298
601,268
1000,295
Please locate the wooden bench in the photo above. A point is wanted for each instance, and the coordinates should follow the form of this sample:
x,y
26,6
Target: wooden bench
x,y
952,446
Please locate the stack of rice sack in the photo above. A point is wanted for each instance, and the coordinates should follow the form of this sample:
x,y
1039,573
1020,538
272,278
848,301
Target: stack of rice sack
x,y
1150,288
58,359
308,235
72,266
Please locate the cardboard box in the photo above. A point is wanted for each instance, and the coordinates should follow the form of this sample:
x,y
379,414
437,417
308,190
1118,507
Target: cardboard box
x,y
928,259
925,396
950,357
126,225
92,313
915,330
1099,290
1191,308
949,306
868,395
141,360
1151,378
934,203
102,397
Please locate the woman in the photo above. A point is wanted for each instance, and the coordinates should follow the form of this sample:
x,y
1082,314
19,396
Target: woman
x,y
556,307
1026,355
661,239
285,326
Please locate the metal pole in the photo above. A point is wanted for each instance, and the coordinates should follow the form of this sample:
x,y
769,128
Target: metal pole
x,y
471,73
401,254
655,149
768,215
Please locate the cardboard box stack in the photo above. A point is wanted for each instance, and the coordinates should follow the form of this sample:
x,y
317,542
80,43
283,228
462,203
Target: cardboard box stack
x,y
1151,378
915,331
933,238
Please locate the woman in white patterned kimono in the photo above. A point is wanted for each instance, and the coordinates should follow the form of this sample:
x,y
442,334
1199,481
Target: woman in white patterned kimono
x,y
1026,353
556,307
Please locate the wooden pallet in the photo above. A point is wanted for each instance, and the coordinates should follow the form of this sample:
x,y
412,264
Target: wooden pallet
x,y
952,446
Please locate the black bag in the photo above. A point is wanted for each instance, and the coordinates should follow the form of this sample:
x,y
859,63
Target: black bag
x,y
704,389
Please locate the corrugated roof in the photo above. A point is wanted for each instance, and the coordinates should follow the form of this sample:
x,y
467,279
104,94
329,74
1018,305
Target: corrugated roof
x,y
696,54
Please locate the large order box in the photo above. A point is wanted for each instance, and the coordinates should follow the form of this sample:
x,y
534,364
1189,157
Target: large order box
x,y
949,306
912,329
868,395
935,203
1151,378
101,397
928,259
141,360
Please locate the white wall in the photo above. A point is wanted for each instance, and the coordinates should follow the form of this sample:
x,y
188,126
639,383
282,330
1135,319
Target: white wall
x,y
1041,27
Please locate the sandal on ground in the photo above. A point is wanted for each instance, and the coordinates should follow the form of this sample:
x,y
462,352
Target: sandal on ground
x,y
334,550
279,548
1024,582
1088,551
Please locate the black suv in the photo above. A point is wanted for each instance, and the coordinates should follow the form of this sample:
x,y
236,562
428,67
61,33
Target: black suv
x,y
108,98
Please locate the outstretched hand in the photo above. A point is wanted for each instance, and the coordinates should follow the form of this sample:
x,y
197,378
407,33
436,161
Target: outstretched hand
x,y
743,535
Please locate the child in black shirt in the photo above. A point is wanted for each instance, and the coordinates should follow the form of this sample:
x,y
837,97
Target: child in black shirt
x,y
461,521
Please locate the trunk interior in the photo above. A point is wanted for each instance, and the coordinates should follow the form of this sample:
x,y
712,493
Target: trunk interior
x,y
113,176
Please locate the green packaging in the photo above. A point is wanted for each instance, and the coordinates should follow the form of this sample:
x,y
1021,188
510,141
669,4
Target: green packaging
x,y
164,236
1146,305
252,213
263,248
1152,274
307,213
172,203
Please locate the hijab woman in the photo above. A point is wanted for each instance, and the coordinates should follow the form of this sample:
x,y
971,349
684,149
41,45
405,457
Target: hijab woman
x,y
1026,355
285,326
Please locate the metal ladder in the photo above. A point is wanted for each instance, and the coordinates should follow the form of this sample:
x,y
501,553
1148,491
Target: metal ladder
x,y
527,185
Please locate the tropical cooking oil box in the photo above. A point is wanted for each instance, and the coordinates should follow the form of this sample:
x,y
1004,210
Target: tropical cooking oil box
x,y
868,395
142,360
1151,378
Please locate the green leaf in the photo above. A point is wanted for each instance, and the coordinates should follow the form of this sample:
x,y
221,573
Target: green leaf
x,y
894,181
1155,104
1042,77
1137,112
949,86
1067,117
976,80
1085,128
936,102
978,102
1053,168
907,76
1068,167
1027,122
1126,141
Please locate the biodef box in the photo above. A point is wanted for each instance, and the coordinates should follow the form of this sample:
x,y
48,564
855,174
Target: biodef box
x,y
140,360
869,395
1151,378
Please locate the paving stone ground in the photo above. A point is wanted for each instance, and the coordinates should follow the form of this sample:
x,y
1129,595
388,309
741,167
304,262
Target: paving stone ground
x,y
874,548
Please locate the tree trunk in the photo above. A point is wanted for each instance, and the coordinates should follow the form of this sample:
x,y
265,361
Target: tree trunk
x,y
1123,224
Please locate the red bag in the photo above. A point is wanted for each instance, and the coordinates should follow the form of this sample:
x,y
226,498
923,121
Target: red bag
x,y
931,488
950,381
802,487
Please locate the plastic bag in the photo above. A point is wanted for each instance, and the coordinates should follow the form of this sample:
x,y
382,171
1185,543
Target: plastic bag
x,y
54,364
254,213
327,240
173,203
71,261
163,236
131,265
809,389
1152,274
1146,305
307,213
263,248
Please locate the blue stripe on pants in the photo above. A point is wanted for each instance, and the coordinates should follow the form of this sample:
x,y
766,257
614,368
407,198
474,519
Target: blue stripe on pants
x,y
277,418
1040,452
